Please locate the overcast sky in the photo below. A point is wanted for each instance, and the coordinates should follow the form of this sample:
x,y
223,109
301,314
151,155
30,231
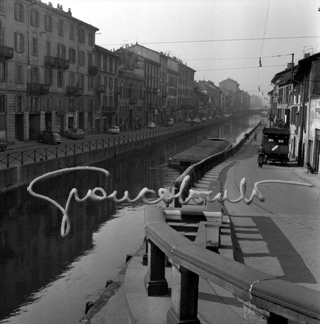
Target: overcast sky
x,y
217,38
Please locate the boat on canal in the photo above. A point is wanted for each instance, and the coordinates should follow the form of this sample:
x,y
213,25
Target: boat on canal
x,y
198,152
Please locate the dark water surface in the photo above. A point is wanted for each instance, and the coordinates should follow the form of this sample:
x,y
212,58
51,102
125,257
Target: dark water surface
x,y
45,278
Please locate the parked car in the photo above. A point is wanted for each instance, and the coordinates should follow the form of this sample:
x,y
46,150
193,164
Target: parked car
x,y
3,145
151,125
114,130
49,137
76,133
204,119
169,122
197,120
188,120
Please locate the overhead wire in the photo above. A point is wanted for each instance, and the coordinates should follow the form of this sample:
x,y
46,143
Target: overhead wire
x,y
264,35
220,40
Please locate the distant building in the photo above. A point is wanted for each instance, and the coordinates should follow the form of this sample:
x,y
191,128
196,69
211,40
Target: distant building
x,y
44,70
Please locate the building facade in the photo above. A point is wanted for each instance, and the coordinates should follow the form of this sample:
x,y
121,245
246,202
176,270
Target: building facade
x,y
45,85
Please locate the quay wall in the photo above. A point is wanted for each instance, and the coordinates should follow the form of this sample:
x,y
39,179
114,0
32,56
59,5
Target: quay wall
x,y
13,177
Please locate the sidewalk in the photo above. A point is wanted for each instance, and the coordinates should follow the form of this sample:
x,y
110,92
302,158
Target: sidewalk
x,y
280,236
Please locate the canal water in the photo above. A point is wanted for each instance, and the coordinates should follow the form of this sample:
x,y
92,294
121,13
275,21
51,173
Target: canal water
x,y
45,278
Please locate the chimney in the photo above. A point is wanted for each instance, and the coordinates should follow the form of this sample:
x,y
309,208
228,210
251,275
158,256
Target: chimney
x,y
69,11
306,55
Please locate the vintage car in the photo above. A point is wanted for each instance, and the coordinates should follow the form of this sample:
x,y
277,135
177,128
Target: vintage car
x,y
169,122
114,130
3,145
49,137
151,125
76,133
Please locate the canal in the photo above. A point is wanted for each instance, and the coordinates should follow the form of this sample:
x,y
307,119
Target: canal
x,y
45,278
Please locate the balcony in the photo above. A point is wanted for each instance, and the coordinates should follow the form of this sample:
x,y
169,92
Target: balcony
x,y
101,89
6,53
164,95
133,101
109,110
155,90
117,91
37,88
148,89
56,62
93,70
74,91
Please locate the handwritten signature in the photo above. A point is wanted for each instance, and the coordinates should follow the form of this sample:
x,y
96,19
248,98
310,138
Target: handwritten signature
x,y
98,194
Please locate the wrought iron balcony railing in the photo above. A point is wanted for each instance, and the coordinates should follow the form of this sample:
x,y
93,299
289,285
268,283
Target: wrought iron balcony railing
x,y
56,62
74,91
133,101
6,53
93,70
37,88
101,88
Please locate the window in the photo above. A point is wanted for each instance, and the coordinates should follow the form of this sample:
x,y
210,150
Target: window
x,y
91,39
19,12
82,81
60,79
19,42
71,105
2,103
90,83
90,59
1,37
48,104
48,76
48,23
34,17
110,83
35,74
34,46
2,6
19,73
60,104
81,36
61,51
71,80
72,55
34,104
81,58
18,104
3,71
48,48
60,31
71,31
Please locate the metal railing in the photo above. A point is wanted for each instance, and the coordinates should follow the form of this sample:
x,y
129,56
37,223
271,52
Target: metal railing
x,y
198,170
42,154
265,299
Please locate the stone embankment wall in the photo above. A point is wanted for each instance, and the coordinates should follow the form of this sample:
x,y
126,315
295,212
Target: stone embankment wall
x,y
13,177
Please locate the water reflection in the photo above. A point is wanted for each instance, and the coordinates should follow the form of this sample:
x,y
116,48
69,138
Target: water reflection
x,y
46,278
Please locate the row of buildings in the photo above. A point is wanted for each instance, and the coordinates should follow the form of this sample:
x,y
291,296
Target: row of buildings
x,y
295,104
54,76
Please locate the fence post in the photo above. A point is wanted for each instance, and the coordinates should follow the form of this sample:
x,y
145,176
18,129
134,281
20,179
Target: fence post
x,y
184,296
155,280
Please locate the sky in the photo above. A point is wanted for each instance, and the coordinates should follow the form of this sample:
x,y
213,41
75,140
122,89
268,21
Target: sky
x,y
219,39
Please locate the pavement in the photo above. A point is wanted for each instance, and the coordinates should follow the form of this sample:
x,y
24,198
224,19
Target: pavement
x,y
279,236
